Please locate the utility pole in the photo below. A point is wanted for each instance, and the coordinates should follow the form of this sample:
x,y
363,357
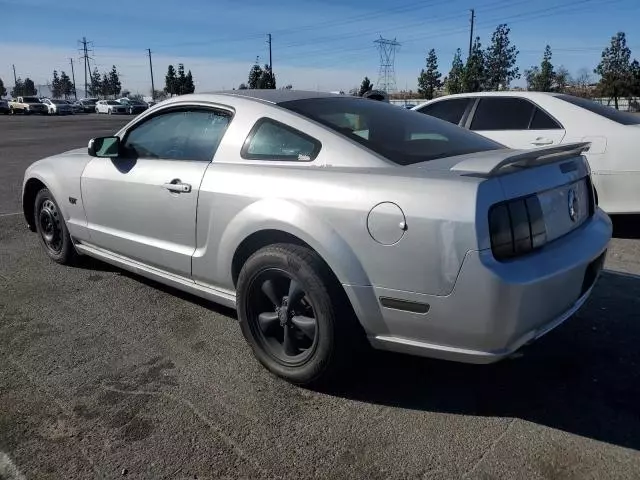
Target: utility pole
x,y
15,79
473,17
270,58
153,88
73,77
84,50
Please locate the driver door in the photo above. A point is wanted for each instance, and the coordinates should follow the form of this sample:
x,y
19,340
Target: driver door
x,y
142,204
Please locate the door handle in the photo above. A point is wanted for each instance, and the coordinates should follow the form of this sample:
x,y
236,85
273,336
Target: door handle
x,y
177,186
542,141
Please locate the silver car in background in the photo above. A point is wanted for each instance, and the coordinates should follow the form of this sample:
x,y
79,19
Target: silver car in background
x,y
333,223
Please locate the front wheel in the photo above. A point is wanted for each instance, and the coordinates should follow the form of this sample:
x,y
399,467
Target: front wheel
x,y
293,315
52,230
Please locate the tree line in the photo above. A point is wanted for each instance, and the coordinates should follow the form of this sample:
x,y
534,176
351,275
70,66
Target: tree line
x,y
22,88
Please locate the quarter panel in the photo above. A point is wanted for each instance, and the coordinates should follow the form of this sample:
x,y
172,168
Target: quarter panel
x,y
328,208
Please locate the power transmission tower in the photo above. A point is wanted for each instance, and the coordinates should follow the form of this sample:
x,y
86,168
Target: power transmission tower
x,y
84,50
73,77
153,88
473,17
387,73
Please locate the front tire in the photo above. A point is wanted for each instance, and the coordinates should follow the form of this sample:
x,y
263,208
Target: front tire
x,y
294,316
52,229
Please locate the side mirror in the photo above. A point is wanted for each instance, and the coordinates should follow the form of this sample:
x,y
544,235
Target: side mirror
x,y
107,147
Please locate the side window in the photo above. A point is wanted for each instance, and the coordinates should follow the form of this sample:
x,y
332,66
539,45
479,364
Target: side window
x,y
542,121
272,140
502,113
192,134
448,110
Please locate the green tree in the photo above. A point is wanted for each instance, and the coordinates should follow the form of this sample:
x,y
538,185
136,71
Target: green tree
x,y
453,82
189,86
171,81
542,78
18,88
635,79
95,87
255,74
67,87
113,86
267,79
3,90
365,86
104,87
29,87
243,86
473,77
500,60
429,79
55,86
561,80
615,68
181,80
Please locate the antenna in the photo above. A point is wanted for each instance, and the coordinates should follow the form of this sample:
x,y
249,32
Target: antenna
x,y
387,74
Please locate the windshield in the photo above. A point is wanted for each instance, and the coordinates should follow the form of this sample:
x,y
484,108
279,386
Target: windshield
x,y
89,102
611,113
112,102
59,102
405,137
30,100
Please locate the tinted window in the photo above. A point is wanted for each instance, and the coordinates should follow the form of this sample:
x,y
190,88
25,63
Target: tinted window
x,y
542,121
449,110
402,136
178,135
271,140
611,113
502,114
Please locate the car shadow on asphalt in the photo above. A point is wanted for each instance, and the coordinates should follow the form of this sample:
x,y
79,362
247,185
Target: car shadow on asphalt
x,y
626,226
582,378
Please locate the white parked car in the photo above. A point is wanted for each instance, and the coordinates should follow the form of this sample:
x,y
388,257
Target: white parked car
x,y
535,119
110,107
58,107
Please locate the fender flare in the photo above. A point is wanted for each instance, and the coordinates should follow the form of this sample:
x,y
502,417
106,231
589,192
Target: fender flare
x,y
297,220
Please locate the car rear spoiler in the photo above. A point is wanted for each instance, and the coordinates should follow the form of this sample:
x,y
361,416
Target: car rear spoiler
x,y
492,166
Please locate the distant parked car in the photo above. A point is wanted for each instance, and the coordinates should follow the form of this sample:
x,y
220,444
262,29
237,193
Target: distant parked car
x,y
110,107
58,107
4,107
88,104
28,105
536,119
76,106
134,107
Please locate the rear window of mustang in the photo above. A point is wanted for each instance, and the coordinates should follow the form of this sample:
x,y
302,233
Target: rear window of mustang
x,y
402,136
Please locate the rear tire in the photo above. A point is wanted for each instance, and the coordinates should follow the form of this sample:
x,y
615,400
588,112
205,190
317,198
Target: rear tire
x,y
52,229
316,307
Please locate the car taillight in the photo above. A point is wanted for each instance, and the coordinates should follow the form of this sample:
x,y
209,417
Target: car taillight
x,y
516,227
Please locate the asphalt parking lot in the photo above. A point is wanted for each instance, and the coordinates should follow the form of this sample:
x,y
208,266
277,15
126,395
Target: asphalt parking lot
x,y
106,375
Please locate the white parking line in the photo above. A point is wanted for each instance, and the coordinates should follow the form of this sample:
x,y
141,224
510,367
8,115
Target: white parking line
x,y
10,214
8,470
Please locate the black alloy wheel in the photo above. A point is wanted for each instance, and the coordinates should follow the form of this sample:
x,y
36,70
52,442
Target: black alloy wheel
x,y
284,317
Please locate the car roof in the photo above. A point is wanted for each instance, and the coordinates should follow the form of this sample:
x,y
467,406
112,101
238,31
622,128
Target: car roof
x,y
265,96
508,93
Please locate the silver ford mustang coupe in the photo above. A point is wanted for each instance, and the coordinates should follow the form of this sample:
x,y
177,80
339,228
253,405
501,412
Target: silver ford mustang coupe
x,y
333,223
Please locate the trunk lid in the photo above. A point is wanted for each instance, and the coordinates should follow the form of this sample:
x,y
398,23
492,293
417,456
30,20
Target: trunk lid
x,y
547,193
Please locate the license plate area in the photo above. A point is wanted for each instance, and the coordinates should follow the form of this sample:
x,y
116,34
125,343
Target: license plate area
x,y
565,208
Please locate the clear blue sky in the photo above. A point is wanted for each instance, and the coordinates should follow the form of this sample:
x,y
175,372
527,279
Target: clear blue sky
x,y
324,44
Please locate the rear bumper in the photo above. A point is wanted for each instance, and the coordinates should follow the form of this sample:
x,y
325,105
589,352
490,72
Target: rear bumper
x,y
495,307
